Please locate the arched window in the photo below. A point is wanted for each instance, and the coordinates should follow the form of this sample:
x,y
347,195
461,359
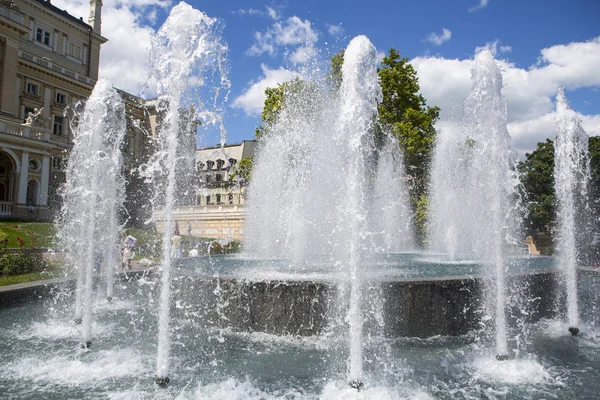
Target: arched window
x,y
220,164
232,162
199,166
33,187
209,165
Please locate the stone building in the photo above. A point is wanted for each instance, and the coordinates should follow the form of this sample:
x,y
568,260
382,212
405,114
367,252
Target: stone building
x,y
48,59
218,209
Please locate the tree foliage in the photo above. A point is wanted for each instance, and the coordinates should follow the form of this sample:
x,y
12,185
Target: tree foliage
x,y
276,101
537,177
242,172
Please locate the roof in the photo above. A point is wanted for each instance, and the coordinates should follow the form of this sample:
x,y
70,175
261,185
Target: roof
x,y
64,13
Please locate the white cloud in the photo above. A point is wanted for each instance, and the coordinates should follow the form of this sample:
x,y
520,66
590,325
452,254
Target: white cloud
x,y
495,47
253,99
529,91
335,30
267,12
124,58
271,12
482,4
303,54
292,32
441,38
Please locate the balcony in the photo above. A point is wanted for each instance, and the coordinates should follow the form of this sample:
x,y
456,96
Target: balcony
x,y
27,131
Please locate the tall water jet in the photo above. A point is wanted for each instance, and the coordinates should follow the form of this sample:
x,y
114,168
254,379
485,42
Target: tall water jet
x,y
391,216
359,94
473,186
571,175
187,45
93,195
299,212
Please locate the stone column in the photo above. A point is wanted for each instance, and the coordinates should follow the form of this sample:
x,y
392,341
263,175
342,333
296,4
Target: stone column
x,y
43,197
9,77
22,199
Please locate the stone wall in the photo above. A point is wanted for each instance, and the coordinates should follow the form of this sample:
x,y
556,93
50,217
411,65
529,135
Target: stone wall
x,y
217,222
413,308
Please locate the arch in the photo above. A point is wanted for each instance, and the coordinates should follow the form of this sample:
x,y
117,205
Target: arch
x,y
33,191
12,156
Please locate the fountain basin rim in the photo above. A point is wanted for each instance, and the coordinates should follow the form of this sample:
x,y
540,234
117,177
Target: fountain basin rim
x,y
324,280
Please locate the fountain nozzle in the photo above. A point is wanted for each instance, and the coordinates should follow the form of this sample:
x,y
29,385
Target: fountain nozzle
x,y
501,357
162,382
356,384
574,331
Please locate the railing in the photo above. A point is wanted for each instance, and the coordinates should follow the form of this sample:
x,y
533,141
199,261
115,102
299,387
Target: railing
x,y
32,132
5,208
45,62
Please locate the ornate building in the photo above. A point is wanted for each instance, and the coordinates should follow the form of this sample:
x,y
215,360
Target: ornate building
x,y
48,59
218,209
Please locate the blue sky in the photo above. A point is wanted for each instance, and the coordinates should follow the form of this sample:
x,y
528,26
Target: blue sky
x,y
540,45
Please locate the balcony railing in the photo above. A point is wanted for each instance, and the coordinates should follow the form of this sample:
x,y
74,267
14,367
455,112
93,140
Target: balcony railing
x,y
32,132
6,207
47,63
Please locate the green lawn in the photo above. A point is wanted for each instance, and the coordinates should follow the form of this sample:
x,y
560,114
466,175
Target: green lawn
x,y
34,276
35,234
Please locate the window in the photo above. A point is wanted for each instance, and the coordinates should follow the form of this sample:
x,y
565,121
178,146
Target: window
x,y
219,178
208,178
34,165
232,162
230,198
218,199
75,51
207,200
58,126
43,36
61,98
220,164
32,88
199,166
209,165
57,163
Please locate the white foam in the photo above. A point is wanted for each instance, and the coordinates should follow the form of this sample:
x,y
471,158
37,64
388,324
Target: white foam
x,y
60,330
84,369
513,372
341,391
233,389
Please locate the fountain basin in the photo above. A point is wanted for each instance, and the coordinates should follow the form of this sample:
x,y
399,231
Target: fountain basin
x,y
239,297
40,357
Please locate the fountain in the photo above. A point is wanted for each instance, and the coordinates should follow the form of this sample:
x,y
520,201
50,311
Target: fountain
x,y
330,300
188,44
473,191
571,174
93,195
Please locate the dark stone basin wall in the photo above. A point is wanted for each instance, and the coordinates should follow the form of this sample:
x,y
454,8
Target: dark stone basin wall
x,y
414,308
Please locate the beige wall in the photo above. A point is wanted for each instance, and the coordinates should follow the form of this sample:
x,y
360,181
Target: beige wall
x,y
217,222
43,52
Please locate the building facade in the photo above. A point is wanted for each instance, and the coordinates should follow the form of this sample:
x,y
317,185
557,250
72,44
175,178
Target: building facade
x,y
48,60
217,211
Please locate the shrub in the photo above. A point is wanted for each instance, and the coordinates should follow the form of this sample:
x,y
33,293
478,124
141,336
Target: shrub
x,y
21,261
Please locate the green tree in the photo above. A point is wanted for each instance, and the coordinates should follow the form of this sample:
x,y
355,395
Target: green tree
x,y
537,177
405,113
242,172
277,99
